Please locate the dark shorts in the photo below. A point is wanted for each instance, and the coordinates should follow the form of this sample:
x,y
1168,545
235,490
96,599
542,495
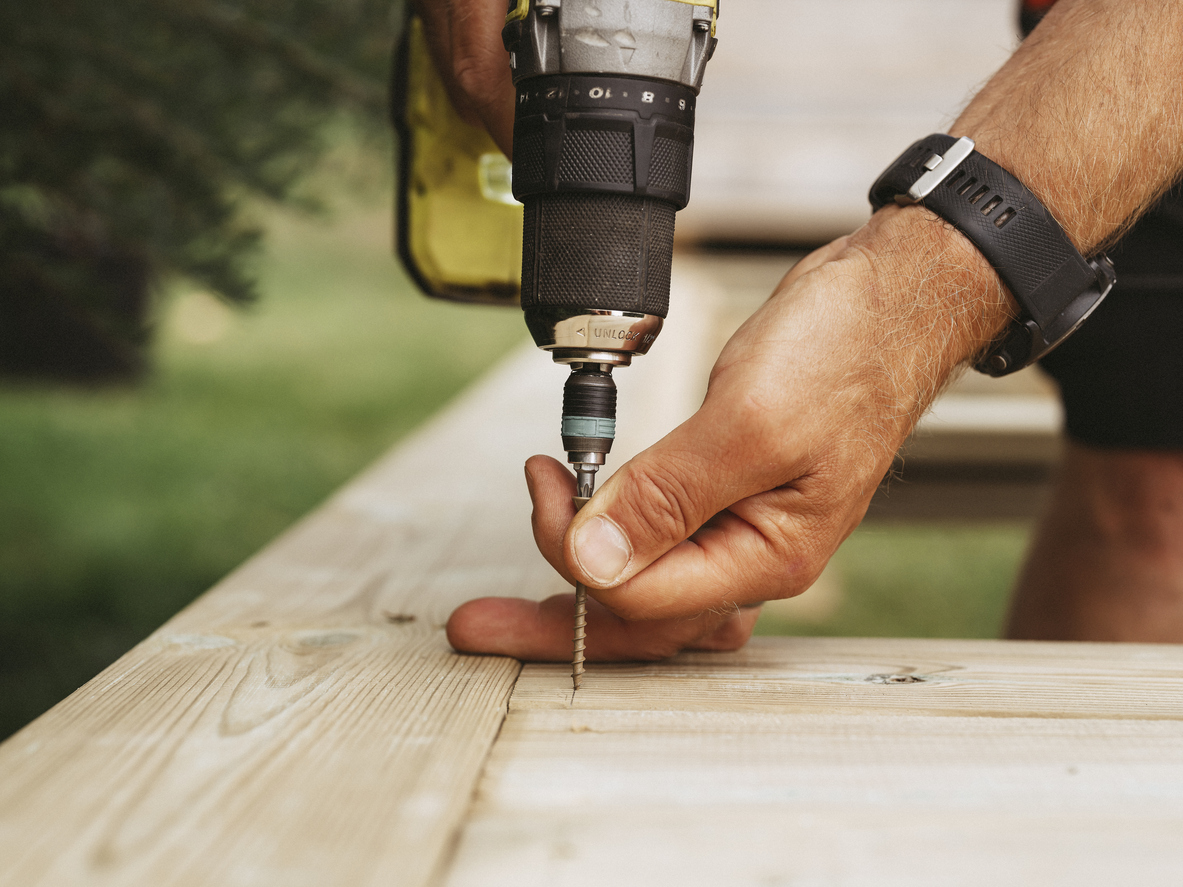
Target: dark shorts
x,y
1121,374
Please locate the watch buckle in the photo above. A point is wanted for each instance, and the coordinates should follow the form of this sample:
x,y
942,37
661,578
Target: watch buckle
x,y
937,168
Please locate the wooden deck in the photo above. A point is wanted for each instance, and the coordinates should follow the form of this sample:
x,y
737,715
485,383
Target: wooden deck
x,y
305,723
831,761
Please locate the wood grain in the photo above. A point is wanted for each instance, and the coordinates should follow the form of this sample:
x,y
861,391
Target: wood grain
x,y
305,722
783,764
886,676
690,798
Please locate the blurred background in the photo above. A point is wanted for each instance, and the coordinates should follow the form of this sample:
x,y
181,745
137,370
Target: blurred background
x,y
203,330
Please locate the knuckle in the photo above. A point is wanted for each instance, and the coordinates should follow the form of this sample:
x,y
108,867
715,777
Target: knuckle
x,y
477,76
799,574
731,636
791,561
470,76
801,529
660,504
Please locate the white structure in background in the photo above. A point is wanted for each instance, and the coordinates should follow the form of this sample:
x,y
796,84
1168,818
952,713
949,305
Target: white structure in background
x,y
806,101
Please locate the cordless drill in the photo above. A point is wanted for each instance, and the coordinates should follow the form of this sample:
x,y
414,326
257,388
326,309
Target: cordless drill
x,y
603,142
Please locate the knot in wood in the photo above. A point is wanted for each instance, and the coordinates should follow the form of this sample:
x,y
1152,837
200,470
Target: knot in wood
x,y
894,679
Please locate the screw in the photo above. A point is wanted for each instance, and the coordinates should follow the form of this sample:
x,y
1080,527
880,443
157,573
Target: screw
x,y
580,634
587,484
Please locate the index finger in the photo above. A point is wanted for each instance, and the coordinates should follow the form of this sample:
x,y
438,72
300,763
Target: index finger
x,y
543,632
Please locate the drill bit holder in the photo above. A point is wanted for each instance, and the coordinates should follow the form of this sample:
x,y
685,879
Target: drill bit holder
x,y
589,414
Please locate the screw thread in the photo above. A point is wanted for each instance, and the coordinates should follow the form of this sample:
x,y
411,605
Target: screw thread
x,y
580,635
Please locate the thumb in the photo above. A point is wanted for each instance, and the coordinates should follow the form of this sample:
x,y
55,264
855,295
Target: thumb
x,y
660,498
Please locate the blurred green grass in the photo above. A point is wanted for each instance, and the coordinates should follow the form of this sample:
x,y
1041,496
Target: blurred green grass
x,y
892,580
118,507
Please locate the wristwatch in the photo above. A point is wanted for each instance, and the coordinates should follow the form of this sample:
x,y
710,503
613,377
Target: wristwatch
x,y
1055,286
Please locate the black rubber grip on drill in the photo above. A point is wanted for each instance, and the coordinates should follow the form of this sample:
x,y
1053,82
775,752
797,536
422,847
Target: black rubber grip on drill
x,y
609,251
602,164
609,135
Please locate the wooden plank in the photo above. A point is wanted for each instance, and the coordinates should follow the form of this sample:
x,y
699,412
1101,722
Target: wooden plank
x,y
887,676
689,798
305,722
778,765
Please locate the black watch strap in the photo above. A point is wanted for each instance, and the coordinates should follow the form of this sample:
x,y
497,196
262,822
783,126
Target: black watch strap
x,y
1054,285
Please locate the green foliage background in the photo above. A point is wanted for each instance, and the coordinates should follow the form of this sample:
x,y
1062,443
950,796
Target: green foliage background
x,y
132,133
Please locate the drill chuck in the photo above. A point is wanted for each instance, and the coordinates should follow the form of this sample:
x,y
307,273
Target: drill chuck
x,y
601,179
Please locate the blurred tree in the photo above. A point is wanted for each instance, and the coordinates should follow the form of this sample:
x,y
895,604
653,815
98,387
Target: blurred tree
x,y
131,131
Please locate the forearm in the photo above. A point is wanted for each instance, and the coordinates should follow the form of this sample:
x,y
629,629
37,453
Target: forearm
x,y
931,302
1089,115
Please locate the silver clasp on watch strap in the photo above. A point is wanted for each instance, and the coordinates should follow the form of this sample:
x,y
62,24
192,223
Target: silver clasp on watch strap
x,y
938,169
